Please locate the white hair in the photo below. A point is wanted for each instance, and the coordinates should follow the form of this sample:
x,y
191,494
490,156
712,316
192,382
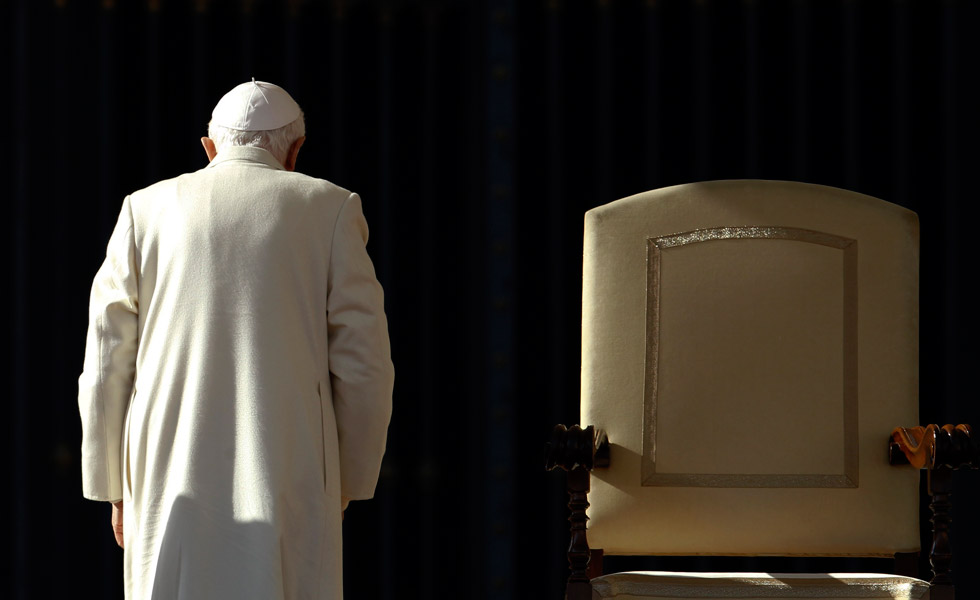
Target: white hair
x,y
276,141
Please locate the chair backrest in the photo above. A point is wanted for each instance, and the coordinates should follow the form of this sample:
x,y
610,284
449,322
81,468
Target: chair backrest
x,y
748,346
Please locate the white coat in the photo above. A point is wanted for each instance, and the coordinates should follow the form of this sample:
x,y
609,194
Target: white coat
x,y
237,381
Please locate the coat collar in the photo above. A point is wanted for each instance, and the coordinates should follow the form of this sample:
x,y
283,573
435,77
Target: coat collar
x,y
245,154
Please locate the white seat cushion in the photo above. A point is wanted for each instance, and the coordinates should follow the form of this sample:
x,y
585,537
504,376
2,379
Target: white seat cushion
x,y
665,585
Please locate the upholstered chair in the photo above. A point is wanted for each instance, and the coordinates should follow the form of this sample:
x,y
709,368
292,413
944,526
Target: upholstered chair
x,y
748,349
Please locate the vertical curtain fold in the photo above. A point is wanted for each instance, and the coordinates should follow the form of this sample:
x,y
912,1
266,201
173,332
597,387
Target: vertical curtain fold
x,y
801,88
849,95
19,315
604,150
429,292
701,50
499,265
752,86
382,229
559,255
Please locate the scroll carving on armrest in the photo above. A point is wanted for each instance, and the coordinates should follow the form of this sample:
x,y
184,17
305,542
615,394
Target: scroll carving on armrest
x,y
932,447
572,447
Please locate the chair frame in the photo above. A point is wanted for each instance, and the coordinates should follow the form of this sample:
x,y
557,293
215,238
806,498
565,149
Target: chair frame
x,y
937,450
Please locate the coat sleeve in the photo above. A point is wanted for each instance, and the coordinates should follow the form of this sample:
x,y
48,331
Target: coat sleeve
x,y
361,373
106,383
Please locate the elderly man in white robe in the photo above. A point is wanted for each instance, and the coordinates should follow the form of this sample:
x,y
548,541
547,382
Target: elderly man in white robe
x,y
237,383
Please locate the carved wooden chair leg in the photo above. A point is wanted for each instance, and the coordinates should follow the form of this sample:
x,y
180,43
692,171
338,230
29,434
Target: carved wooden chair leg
x,y
578,451
940,483
578,587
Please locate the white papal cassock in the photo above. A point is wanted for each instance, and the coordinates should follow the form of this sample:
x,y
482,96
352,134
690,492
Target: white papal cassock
x,y
237,381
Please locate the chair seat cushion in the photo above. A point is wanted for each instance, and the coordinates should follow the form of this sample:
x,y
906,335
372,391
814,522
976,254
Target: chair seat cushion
x,y
751,586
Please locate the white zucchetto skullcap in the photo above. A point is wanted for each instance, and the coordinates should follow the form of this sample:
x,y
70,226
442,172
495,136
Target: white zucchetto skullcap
x,y
255,106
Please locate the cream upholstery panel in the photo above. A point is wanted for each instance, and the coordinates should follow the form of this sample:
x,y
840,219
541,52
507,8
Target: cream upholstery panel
x,y
748,346
757,586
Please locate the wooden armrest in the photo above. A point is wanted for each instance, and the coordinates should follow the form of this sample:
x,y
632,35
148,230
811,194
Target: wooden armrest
x,y
572,447
933,447
939,450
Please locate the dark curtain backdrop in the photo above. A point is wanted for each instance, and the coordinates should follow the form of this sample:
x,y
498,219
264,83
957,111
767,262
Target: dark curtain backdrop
x,y
477,133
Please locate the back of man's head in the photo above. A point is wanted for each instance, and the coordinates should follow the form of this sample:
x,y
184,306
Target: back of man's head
x,y
257,113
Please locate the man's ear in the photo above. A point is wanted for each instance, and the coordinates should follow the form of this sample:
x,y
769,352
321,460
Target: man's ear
x,y
209,148
290,164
